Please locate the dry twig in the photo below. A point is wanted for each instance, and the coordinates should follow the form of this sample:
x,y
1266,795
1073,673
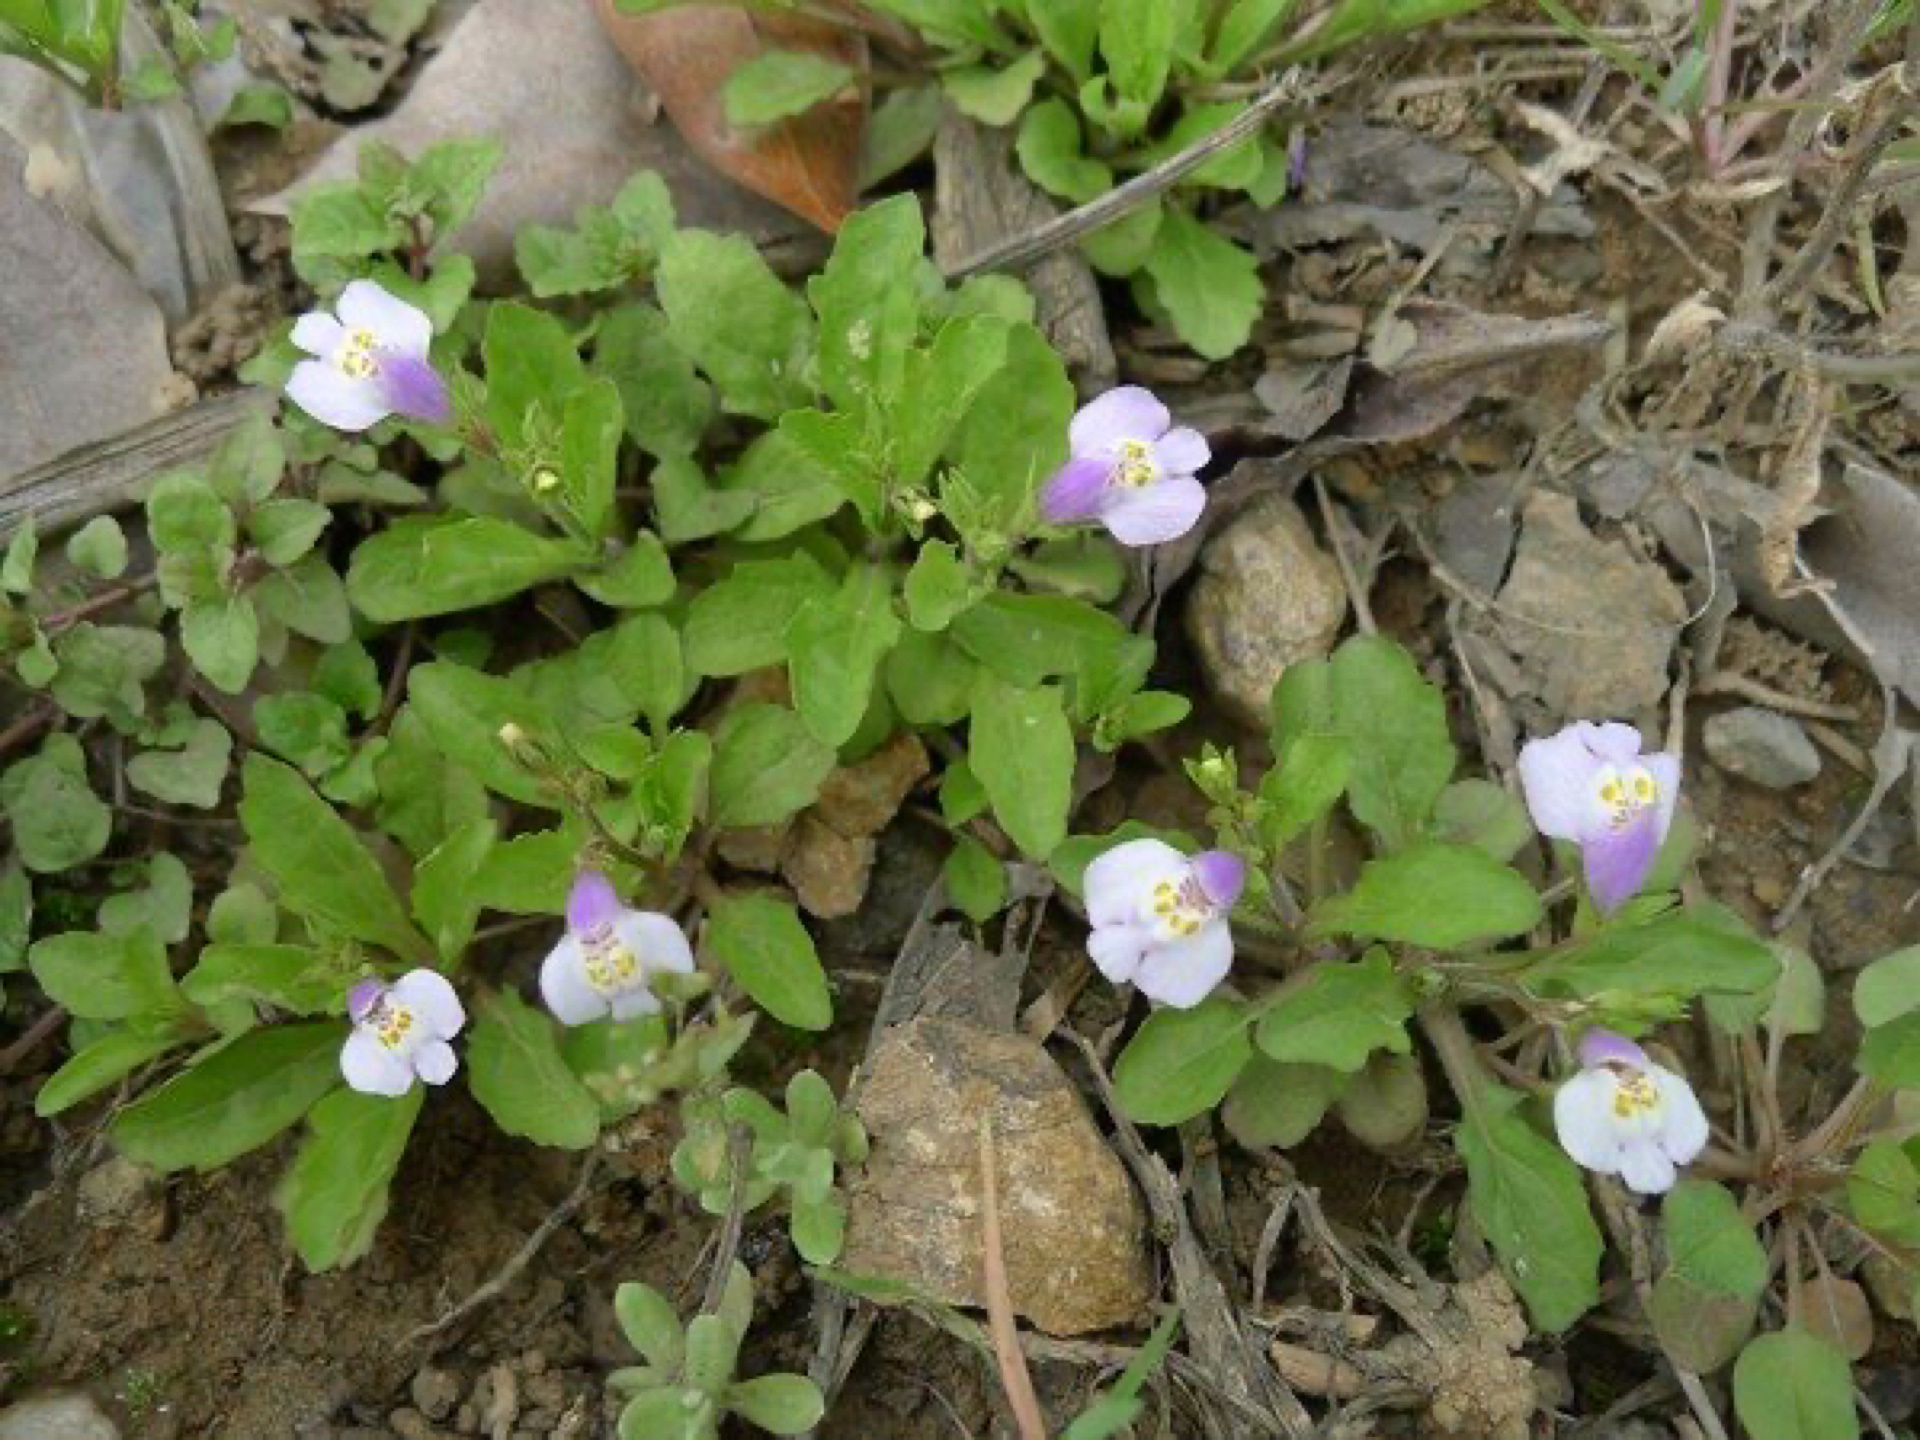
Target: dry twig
x,y
1014,1378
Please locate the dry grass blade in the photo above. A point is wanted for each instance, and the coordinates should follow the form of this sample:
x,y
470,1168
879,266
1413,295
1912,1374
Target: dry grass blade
x,y
1006,1335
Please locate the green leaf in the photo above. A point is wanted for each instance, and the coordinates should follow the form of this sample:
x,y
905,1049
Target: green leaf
x,y
1394,721
778,84
1484,815
222,638
99,547
261,102
1710,1242
995,97
1182,1062
1209,287
638,578
929,679
103,669
1441,896
191,775
246,466
1049,149
900,129
868,303
691,509
731,315
58,822
334,1195
766,766
1888,988
818,1227
740,623
770,955
337,220
651,1326
1028,639
164,906
105,977
1069,30
1790,1385
1700,1329
235,1100
834,649
1277,1105
1137,42
1883,1192
103,1062
590,430
779,1404
975,880
16,568
284,530
1303,787
320,865
446,897
1021,747
789,487
517,1072
464,711
666,404
288,977
1679,953
310,730
434,565
1242,28
16,915
1339,1014
308,598
1532,1206
1890,1053
347,676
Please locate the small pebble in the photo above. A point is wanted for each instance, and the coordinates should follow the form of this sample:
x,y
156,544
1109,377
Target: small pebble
x,y
435,1392
1763,746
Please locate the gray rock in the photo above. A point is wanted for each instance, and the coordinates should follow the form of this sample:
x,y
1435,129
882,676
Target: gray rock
x,y
1267,596
1590,623
1072,1226
56,1417
86,348
542,78
435,1391
1763,746
122,1193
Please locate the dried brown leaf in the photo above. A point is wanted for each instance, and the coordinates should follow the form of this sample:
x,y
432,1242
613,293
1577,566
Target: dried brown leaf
x,y
810,163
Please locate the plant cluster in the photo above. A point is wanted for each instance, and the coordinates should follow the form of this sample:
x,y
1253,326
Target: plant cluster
x,y
511,695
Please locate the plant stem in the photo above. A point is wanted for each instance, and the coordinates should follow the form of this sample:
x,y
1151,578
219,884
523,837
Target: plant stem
x,y
1447,1033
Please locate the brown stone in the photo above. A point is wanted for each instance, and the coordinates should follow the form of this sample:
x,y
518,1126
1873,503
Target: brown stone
x,y
1267,596
862,799
827,870
1072,1225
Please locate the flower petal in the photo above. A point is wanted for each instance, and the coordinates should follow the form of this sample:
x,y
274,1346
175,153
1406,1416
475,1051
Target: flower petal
x,y
428,992
1182,451
1119,883
1153,514
1665,770
335,398
1583,1119
435,1062
395,324
1683,1124
317,333
592,902
656,940
1645,1169
1117,949
1182,973
1556,779
414,389
1129,412
362,998
1611,741
1617,861
632,1004
1222,876
371,1068
1076,491
563,985
1600,1047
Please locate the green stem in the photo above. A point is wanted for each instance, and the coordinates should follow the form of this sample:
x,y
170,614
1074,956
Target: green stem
x,y
1447,1033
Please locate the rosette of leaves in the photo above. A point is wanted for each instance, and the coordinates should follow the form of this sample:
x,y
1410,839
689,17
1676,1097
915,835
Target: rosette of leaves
x,y
687,1388
796,1153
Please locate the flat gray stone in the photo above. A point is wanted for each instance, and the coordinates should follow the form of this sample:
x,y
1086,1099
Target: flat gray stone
x,y
56,1417
1770,749
85,347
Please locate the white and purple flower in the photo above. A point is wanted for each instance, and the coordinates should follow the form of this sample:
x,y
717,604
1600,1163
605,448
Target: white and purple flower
x,y
605,963
1130,470
1591,784
372,362
400,1033
1624,1115
1160,918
